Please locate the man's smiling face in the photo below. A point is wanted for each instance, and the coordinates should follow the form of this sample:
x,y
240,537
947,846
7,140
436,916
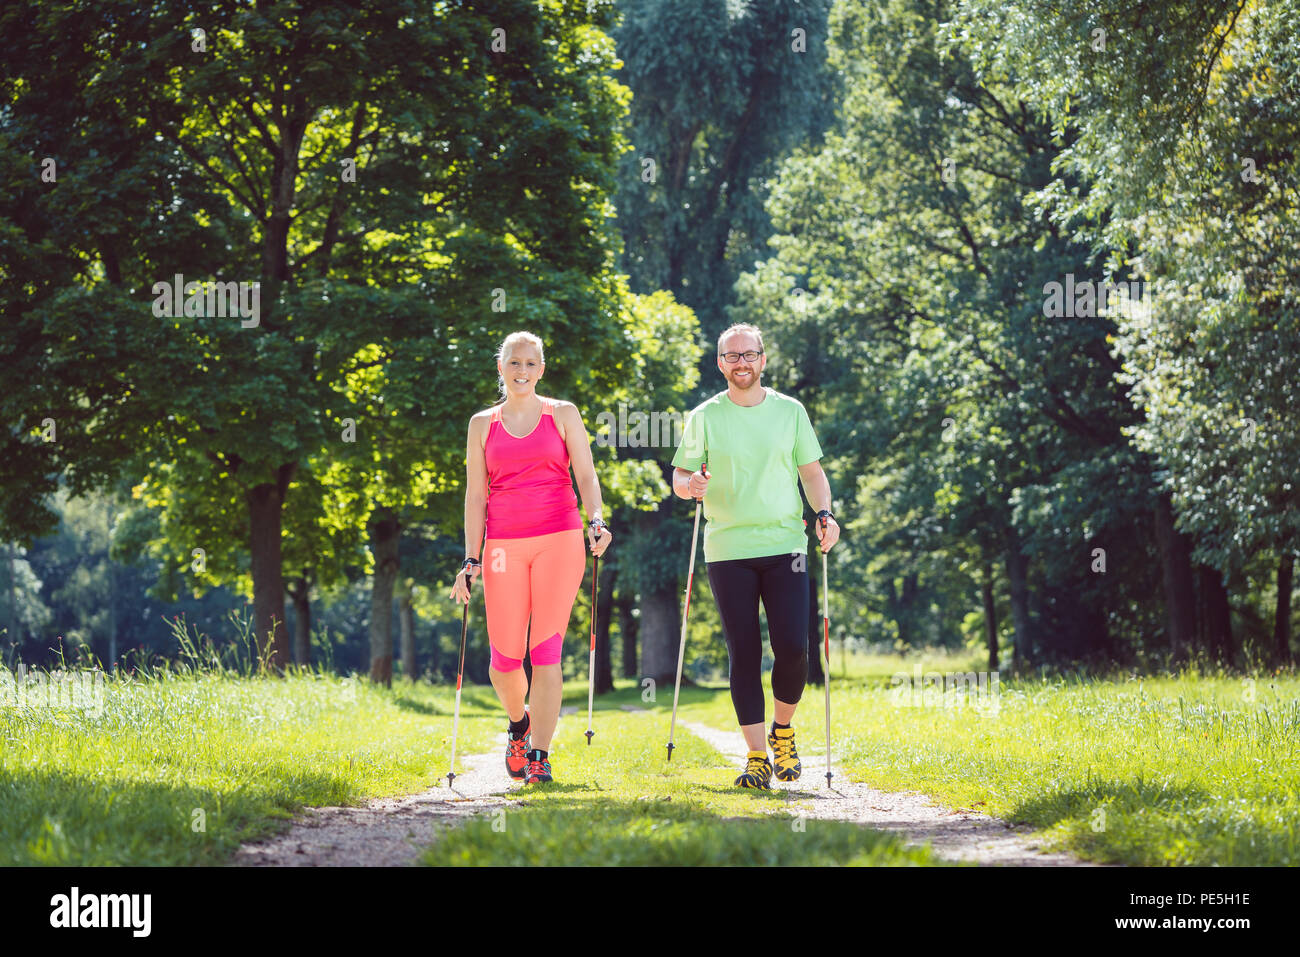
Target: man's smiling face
x,y
741,374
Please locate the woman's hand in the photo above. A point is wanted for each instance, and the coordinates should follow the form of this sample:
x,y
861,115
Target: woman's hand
x,y
598,546
464,582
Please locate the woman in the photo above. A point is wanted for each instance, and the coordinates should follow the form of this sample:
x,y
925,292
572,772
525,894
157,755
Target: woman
x,y
518,493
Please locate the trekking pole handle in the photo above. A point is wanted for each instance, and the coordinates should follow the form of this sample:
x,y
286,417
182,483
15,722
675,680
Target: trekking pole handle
x,y
704,470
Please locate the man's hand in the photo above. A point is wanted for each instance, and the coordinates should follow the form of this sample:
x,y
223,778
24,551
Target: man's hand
x,y
828,530
698,483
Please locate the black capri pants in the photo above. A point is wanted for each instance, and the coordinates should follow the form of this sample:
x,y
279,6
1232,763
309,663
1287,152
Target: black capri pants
x,y
782,583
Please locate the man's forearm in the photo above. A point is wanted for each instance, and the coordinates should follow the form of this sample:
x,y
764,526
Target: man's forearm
x,y
819,492
680,479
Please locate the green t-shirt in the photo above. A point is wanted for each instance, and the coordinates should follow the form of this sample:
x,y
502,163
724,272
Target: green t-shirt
x,y
752,506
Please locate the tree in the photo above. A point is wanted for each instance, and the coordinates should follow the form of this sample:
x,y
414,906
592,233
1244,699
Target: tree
x,y
286,146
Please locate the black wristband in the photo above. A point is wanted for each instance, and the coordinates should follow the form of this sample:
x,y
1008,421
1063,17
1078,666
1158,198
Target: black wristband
x,y
470,561
827,514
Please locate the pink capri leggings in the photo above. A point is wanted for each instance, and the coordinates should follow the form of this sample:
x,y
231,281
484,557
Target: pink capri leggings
x,y
535,578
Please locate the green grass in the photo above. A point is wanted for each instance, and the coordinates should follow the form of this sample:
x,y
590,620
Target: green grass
x,y
1184,770
122,786
618,802
1168,770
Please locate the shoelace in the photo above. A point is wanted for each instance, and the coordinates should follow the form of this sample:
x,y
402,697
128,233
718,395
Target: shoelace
x,y
518,747
757,767
783,749
538,767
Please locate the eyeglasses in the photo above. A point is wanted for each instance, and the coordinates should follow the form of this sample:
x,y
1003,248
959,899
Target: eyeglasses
x,y
733,357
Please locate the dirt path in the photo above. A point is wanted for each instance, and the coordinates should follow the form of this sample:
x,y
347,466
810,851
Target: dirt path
x,y
387,832
394,831
955,834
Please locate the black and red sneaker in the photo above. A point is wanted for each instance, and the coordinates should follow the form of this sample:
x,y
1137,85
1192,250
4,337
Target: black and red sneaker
x,y
517,750
539,768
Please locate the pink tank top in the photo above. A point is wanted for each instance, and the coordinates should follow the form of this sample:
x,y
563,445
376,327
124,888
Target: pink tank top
x,y
529,489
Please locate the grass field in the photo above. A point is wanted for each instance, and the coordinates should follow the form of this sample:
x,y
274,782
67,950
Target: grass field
x,y
182,769
618,802
1193,769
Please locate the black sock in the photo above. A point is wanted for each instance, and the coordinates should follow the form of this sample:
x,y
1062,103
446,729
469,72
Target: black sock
x,y
537,754
781,726
517,728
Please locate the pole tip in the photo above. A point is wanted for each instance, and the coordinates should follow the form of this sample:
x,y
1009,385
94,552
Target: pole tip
x,y
589,734
828,779
670,750
451,776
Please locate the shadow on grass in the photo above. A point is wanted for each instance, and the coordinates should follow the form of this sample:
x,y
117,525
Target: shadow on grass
x,y
568,830
475,702
1114,797
55,817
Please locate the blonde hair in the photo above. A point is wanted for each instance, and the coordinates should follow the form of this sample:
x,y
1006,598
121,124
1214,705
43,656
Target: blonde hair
x,y
508,347
740,327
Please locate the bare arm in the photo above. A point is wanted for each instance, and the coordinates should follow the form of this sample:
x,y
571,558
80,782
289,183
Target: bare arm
x,y
815,485
475,504
688,484
681,477
818,489
584,470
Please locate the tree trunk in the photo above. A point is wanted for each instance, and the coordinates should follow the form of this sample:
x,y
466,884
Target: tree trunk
x,y
385,531
990,617
1176,569
300,592
660,633
11,551
900,608
816,674
406,620
604,610
627,627
661,609
265,510
113,602
1022,651
1214,620
1282,619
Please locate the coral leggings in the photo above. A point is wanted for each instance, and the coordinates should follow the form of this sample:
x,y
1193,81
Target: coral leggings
x,y
535,578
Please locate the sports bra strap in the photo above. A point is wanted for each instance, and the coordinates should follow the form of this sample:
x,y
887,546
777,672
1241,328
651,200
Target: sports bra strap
x,y
496,413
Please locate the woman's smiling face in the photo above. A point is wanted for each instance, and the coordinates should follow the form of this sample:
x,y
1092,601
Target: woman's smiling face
x,y
521,369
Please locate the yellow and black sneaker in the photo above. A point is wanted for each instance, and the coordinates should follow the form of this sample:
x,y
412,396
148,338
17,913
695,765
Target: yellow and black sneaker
x,y
757,773
781,741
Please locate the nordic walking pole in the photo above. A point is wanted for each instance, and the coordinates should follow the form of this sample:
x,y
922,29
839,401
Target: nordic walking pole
x,y
686,610
591,664
460,674
826,631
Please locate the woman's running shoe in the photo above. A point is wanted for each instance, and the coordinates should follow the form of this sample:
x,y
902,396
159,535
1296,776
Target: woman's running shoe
x,y
781,741
517,750
757,773
539,768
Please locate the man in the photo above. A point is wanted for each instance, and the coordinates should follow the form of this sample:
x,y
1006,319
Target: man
x,y
753,440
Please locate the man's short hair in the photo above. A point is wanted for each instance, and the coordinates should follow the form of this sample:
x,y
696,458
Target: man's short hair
x,y
740,327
